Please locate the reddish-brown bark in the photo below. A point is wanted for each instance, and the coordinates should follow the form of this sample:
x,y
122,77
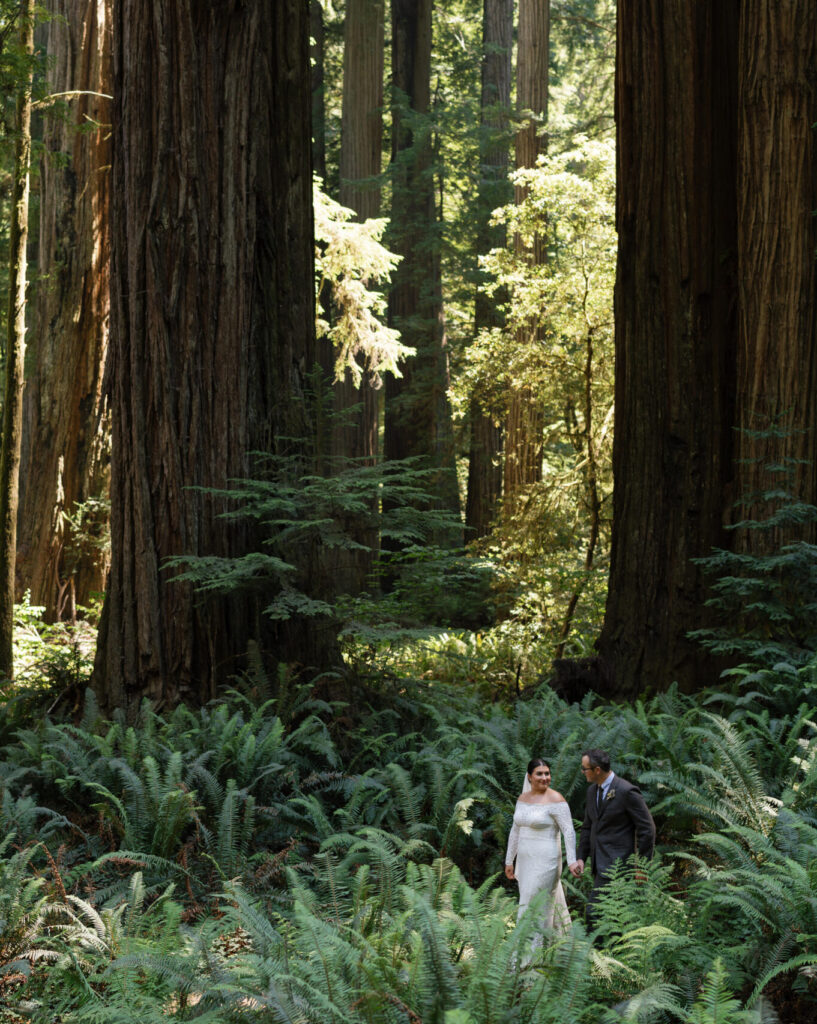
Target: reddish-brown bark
x,y
212,319
525,422
418,415
676,329
485,448
777,273
360,167
66,435
15,348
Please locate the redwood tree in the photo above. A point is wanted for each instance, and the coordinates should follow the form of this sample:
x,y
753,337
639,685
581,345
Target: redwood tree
x,y
525,422
715,326
777,273
418,415
212,320
484,466
15,348
357,409
676,330
66,432
360,164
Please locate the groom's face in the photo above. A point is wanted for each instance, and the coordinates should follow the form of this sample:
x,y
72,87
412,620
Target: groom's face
x,y
591,774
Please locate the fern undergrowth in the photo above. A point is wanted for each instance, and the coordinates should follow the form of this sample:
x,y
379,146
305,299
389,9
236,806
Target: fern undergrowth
x,y
237,864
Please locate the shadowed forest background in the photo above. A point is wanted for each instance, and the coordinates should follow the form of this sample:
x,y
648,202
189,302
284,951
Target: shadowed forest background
x,y
393,392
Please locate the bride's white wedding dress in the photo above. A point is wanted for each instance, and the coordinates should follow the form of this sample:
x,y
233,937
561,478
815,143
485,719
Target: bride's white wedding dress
x,y
536,846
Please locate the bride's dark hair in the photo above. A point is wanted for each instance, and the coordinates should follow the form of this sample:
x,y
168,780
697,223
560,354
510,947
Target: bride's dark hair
x,y
537,762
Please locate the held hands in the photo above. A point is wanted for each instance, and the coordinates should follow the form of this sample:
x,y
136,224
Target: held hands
x,y
576,869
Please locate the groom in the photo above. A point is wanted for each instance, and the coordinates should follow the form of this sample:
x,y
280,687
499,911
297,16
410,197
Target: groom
x,y
616,823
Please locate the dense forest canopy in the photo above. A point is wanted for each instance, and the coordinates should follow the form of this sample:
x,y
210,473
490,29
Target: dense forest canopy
x,y
393,392
461,231
496,212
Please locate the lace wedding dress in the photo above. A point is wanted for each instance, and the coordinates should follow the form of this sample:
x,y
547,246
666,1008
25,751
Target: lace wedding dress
x,y
536,846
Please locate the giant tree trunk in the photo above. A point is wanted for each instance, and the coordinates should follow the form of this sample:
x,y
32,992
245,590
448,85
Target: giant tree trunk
x,y
418,415
212,320
525,424
15,350
484,465
66,444
777,239
676,94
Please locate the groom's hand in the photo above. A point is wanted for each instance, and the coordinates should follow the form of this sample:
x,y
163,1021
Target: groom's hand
x,y
576,869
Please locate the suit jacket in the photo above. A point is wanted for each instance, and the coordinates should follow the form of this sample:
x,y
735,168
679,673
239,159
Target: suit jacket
x,y
620,827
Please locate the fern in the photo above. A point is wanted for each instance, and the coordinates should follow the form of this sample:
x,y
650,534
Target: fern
x,y
716,1003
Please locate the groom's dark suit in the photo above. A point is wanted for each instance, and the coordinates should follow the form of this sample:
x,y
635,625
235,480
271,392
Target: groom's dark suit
x,y
620,826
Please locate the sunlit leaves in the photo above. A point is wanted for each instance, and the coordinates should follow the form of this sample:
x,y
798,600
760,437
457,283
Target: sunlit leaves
x,y
349,259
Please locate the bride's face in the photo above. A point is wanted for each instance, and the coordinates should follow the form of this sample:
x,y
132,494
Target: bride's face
x,y
540,778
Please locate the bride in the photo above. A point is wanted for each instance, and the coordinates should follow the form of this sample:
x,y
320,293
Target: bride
x,y
540,815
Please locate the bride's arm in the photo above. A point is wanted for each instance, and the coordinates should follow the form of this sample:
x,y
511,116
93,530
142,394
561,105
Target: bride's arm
x,y
564,819
510,853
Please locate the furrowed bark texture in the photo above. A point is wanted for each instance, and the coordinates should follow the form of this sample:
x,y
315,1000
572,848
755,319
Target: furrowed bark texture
x,y
360,163
777,238
676,330
525,423
212,316
362,116
357,410
485,448
66,442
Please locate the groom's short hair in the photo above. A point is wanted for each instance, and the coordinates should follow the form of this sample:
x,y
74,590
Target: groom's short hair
x,y
598,759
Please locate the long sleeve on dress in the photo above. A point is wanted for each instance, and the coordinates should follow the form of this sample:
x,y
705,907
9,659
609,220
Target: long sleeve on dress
x,y
564,819
513,845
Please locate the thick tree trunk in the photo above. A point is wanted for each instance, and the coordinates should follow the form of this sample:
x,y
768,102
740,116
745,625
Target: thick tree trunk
x,y
777,239
484,465
360,166
362,115
418,415
357,410
15,350
676,327
212,320
66,435
525,424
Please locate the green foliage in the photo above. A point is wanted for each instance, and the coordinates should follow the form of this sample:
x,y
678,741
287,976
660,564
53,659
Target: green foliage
x,y
764,598
571,202
332,851
425,586
16,67
555,537
349,257
582,69
23,910
365,886
52,660
87,526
